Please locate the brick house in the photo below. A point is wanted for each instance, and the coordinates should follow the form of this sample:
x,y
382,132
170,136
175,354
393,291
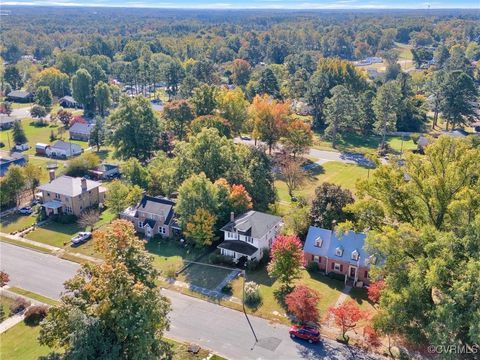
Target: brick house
x,y
152,216
339,254
70,195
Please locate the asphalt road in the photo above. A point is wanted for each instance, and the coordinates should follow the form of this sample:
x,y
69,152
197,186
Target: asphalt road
x,y
220,329
41,273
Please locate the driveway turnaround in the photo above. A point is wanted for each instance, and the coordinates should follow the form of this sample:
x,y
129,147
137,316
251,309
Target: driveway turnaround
x,y
217,328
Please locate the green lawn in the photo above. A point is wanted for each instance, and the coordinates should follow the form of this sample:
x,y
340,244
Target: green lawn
x,y
20,105
15,222
42,162
33,296
5,303
329,290
169,254
37,134
20,343
180,351
345,175
55,234
357,143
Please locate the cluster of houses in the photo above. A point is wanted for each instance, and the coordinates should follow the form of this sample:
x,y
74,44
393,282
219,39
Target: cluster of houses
x,y
369,61
247,236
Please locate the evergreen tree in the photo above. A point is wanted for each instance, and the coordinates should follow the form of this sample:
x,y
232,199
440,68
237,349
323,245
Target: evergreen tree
x,y
18,133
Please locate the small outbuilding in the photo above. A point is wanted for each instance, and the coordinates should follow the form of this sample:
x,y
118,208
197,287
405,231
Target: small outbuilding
x,y
6,122
63,149
20,96
69,102
80,131
42,149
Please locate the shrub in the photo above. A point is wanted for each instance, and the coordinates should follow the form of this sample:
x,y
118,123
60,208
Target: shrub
x,y
35,314
312,266
336,276
171,272
216,258
253,265
252,294
64,218
266,256
227,289
19,305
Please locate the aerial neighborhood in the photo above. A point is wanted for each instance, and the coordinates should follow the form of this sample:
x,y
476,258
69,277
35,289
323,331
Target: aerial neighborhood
x,y
239,184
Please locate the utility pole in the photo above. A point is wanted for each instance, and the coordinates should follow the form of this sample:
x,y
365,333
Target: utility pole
x,y
244,273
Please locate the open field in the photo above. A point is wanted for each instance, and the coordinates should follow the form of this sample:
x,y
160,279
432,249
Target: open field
x,y
356,143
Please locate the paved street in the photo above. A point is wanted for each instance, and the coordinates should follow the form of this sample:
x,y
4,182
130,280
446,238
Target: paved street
x,y
41,273
217,328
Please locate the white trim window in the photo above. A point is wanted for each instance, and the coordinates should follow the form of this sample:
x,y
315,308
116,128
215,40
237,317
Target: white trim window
x,y
316,258
336,267
355,255
140,224
318,242
162,230
339,251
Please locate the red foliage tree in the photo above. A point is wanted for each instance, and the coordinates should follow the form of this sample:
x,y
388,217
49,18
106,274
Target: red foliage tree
x,y
375,290
302,302
287,257
371,337
346,316
4,278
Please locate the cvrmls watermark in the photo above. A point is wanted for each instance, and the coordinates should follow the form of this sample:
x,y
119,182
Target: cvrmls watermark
x,y
454,349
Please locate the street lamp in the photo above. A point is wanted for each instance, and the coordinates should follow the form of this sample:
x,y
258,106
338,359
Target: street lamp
x,y
244,274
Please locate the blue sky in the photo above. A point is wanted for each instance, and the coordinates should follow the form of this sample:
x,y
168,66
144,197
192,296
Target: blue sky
x,y
267,4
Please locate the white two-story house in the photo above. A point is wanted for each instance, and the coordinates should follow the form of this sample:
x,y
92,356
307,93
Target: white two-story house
x,y
248,234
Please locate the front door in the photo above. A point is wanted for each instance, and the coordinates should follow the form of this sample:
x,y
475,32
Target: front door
x,y
149,231
353,272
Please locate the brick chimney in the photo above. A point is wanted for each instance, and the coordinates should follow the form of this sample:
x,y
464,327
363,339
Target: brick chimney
x,y
51,174
232,216
84,184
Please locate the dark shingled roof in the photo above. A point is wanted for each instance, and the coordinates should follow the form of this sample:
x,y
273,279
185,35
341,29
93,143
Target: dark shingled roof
x,y
238,246
253,223
19,94
150,222
157,205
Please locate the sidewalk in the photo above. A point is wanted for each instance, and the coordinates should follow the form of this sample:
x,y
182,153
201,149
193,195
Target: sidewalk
x,y
53,249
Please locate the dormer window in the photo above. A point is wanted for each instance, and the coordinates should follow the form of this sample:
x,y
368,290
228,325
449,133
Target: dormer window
x,y
339,251
355,255
318,242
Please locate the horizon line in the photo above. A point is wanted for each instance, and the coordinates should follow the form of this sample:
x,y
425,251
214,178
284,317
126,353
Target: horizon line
x,y
224,6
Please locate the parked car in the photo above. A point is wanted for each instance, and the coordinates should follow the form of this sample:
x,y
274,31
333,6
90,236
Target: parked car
x,y
309,333
81,238
25,210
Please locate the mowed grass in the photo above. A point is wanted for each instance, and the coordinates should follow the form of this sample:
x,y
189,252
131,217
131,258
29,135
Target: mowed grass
x,y
15,222
270,308
34,296
357,143
345,175
37,134
5,303
169,255
20,343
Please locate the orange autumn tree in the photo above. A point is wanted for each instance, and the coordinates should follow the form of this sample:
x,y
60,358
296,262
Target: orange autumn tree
x,y
375,290
302,302
269,118
240,199
287,259
347,315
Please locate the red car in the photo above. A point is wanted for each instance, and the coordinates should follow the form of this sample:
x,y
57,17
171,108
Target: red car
x,y
305,332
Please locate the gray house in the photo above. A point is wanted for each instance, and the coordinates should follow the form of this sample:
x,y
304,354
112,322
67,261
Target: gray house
x,y
20,96
69,102
6,122
80,131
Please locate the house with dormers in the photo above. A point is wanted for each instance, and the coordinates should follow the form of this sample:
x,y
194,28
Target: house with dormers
x,y
153,216
343,254
246,236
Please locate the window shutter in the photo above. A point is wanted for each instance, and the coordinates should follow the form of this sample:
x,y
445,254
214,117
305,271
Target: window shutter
x,y
333,265
341,267
366,274
313,257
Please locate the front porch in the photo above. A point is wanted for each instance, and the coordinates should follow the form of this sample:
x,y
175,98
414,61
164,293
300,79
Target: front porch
x,y
238,249
53,207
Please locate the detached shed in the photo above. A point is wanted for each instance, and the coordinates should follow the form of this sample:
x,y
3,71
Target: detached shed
x,y
20,96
